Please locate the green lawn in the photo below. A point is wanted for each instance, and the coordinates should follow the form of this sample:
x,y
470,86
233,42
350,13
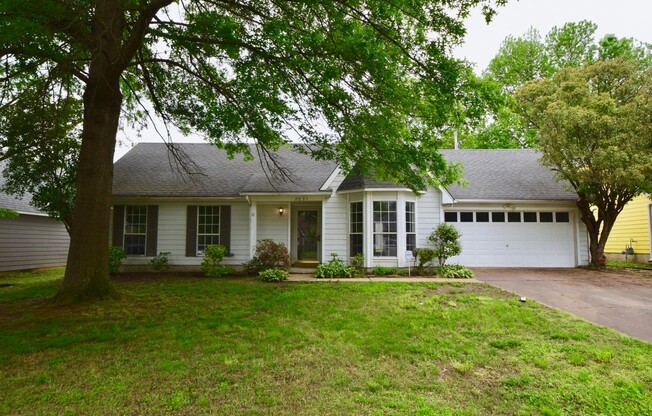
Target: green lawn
x,y
236,346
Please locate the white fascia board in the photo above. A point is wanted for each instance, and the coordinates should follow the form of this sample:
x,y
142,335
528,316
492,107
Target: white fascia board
x,y
330,179
517,201
446,197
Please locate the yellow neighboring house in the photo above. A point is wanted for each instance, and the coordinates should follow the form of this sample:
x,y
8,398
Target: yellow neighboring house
x,y
633,223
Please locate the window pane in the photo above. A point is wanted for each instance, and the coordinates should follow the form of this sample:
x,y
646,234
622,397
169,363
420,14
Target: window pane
x,y
410,241
208,227
134,245
355,244
450,216
545,216
562,216
466,217
529,217
514,216
385,226
482,217
497,217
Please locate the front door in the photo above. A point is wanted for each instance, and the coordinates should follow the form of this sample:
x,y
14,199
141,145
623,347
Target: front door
x,y
308,234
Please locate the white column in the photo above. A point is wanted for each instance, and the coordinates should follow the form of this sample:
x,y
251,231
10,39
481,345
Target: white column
x,y
367,228
253,231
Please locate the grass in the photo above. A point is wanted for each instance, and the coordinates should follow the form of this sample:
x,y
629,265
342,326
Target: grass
x,y
628,264
242,347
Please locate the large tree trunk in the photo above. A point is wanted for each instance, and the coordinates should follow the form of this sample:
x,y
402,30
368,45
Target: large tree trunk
x,y
87,270
598,229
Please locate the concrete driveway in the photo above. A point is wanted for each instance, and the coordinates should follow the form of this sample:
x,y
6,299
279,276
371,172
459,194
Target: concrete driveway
x,y
622,301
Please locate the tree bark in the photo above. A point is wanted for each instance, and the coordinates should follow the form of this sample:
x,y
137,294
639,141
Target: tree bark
x,y
87,269
598,230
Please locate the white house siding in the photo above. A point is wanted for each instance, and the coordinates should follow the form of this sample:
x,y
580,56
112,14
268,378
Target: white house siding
x,y
335,224
172,232
271,225
582,233
31,242
428,215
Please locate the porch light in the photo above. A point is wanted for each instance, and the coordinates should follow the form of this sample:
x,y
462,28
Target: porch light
x,y
281,210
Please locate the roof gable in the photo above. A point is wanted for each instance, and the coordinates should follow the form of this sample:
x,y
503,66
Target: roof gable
x,y
149,170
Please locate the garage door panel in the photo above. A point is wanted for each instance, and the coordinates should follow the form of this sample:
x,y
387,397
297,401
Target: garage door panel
x,y
516,245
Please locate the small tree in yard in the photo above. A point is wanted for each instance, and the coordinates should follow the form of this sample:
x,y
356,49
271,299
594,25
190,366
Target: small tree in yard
x,y
445,238
595,129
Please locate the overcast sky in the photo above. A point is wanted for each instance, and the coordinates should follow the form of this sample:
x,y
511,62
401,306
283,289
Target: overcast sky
x,y
624,18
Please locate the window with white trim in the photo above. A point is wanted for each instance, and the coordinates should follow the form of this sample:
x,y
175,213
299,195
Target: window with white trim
x,y
385,237
208,227
410,226
135,233
356,221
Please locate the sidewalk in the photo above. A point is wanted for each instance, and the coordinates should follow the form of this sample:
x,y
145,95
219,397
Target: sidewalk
x,y
304,277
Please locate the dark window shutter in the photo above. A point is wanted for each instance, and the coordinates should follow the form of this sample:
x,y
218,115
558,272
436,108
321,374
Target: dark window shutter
x,y
191,231
152,230
118,225
225,227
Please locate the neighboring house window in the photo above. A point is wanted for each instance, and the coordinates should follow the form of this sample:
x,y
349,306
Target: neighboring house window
x,y
135,234
355,229
385,228
410,226
208,227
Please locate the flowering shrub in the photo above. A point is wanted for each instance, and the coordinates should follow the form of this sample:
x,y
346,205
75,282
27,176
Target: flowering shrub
x,y
269,255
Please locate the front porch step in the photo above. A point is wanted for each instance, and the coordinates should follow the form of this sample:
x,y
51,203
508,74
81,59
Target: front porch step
x,y
306,264
302,270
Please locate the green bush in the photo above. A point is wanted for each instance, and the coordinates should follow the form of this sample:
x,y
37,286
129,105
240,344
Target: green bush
x,y
273,275
211,265
269,255
454,271
334,268
357,262
424,257
116,255
383,271
445,238
160,262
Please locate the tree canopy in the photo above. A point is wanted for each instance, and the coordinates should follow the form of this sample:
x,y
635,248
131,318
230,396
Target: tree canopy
x,y
531,56
594,125
353,80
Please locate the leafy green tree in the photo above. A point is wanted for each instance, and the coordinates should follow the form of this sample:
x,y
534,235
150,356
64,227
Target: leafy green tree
x,y
8,213
43,165
595,128
519,60
573,44
377,74
446,240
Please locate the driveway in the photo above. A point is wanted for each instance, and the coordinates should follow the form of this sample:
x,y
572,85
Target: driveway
x,y
622,301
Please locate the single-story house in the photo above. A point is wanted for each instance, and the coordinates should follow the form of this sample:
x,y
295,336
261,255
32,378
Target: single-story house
x,y
633,229
31,241
511,214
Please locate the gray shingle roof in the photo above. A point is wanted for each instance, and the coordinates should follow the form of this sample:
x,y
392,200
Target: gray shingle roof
x,y
148,170
505,174
355,180
17,204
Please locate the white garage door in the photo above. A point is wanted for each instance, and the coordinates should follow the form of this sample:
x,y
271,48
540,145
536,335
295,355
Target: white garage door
x,y
514,239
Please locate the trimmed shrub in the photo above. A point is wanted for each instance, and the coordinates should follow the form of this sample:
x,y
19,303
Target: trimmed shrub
x,y
269,255
424,257
273,275
445,238
116,255
357,262
211,265
334,268
383,271
454,271
160,262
